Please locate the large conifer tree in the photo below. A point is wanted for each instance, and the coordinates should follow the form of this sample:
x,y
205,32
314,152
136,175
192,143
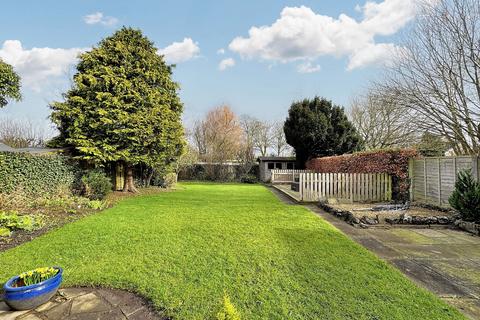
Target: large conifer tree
x,y
123,106
318,128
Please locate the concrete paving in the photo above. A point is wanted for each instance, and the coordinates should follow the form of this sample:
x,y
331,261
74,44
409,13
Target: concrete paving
x,y
85,304
444,261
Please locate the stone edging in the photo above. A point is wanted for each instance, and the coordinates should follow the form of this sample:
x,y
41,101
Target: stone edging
x,y
403,219
471,227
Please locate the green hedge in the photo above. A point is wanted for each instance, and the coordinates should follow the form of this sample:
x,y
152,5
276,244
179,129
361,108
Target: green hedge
x,y
36,174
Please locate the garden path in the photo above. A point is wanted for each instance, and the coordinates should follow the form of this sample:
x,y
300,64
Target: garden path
x,y
444,261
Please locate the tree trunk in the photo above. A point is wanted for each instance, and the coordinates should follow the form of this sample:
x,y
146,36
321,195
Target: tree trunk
x,y
148,179
129,185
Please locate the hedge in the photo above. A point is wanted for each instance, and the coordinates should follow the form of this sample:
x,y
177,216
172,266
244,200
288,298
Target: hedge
x,y
36,174
393,162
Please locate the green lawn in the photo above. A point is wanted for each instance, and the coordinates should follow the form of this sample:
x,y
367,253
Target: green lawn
x,y
184,249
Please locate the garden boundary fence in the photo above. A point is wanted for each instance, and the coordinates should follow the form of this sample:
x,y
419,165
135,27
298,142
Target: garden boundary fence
x,y
283,176
432,179
353,187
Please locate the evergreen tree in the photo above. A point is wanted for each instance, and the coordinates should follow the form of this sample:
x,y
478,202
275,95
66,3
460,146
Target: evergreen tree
x,y
432,145
9,84
123,106
466,196
317,128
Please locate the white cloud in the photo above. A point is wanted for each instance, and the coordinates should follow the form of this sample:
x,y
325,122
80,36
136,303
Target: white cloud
x,y
308,67
226,63
180,51
302,35
221,51
99,18
37,66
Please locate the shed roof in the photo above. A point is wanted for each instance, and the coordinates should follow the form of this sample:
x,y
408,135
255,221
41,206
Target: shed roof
x,y
261,159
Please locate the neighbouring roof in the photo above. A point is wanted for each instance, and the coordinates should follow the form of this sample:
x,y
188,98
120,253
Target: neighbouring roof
x,y
276,159
5,148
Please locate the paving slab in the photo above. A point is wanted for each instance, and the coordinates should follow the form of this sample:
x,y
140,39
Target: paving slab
x,y
429,278
87,304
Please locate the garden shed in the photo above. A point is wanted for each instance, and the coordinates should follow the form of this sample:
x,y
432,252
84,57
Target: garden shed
x,y
266,164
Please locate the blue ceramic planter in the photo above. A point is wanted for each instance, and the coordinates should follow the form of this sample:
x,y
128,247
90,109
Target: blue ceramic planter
x,y
30,297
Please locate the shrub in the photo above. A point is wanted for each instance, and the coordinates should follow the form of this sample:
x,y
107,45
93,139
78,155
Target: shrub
x,y
248,178
466,196
228,311
96,184
169,180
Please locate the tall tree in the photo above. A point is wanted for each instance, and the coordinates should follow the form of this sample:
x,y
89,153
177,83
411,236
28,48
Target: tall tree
x,y
262,136
316,128
247,152
9,84
223,135
381,122
437,74
123,106
279,143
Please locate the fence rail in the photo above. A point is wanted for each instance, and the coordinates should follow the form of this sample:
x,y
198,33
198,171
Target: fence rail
x,y
286,175
363,187
433,178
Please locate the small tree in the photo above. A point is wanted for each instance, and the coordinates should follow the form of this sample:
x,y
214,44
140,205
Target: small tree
x,y
9,84
316,128
123,106
466,196
432,145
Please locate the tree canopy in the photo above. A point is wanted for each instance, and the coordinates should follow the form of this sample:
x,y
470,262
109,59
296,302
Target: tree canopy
x,y
316,128
9,84
123,105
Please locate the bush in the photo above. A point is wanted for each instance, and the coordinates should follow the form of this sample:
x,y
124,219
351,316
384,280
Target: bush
x,y
228,311
96,185
169,180
466,196
248,178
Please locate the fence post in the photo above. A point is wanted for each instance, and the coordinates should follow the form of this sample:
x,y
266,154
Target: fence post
x,y
439,182
475,172
425,177
300,185
411,176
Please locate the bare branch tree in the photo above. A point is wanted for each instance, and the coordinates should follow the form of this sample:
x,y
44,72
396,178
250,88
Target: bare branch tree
x,y
279,142
22,133
437,73
381,122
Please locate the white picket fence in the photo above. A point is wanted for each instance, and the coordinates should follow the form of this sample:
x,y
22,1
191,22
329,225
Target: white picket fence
x,y
362,187
286,176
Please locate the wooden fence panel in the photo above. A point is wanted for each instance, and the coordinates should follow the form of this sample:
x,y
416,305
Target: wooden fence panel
x,y
346,186
433,178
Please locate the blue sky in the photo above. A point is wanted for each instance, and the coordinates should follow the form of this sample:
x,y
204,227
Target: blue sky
x,y
304,48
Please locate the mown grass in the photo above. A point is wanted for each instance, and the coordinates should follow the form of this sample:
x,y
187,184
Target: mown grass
x,y
185,249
